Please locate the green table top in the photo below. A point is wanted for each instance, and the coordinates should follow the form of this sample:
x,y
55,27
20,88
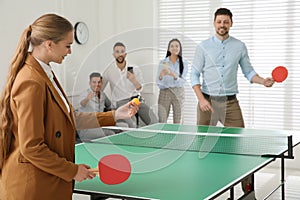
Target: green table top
x,y
169,173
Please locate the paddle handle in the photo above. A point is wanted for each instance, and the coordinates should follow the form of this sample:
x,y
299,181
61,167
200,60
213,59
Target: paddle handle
x,y
94,170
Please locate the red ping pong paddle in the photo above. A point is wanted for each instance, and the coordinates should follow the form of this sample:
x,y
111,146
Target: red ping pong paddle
x,y
279,74
113,169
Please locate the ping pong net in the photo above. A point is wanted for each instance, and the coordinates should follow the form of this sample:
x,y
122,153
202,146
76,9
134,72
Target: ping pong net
x,y
213,140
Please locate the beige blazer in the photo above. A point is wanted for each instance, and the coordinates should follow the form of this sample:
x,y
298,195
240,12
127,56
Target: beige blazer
x,y
41,165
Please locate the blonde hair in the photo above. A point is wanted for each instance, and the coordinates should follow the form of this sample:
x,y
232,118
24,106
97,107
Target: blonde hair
x,y
47,27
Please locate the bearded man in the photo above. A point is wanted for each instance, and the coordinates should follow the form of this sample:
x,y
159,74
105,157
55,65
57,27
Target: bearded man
x,y
126,83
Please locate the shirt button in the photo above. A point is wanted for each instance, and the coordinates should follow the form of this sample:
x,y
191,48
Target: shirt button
x,y
58,134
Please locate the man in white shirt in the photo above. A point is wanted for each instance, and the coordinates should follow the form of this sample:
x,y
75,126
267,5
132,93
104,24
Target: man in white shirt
x,y
126,83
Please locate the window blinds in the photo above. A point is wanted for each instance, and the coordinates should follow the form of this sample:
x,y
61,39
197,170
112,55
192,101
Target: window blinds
x,y
270,31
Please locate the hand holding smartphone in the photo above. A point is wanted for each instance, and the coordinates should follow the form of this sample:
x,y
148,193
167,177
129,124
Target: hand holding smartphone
x,y
130,69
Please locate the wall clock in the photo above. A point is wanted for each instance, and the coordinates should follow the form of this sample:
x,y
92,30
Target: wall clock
x,y
81,33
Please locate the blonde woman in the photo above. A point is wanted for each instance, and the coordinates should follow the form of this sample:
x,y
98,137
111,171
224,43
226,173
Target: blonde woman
x,y
37,128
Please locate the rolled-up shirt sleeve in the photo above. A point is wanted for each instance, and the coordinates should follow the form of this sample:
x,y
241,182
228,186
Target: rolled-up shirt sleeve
x,y
197,66
246,65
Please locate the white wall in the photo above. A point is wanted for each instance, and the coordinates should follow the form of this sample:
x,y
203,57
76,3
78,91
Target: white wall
x,y
13,20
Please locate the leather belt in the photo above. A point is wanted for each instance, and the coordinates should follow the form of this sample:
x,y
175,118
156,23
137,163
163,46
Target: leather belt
x,y
219,98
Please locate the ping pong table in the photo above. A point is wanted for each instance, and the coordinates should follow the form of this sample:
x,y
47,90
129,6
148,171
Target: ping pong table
x,y
172,162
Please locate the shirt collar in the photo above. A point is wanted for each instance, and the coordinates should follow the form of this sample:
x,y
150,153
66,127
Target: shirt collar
x,y
46,68
216,39
168,59
125,68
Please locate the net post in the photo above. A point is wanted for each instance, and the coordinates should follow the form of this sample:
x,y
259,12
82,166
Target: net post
x,y
290,147
289,150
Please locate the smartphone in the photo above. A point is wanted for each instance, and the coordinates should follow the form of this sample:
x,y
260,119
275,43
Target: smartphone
x,y
130,69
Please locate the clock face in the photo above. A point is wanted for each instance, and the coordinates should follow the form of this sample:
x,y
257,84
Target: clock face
x,y
81,33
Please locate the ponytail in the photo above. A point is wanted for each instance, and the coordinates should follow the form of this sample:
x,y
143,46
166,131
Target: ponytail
x,y
180,66
6,136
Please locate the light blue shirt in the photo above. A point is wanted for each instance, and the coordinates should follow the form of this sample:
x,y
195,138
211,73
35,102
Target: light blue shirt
x,y
169,81
95,104
218,62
